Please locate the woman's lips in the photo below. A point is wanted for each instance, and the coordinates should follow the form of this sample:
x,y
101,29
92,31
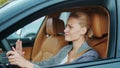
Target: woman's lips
x,y
66,34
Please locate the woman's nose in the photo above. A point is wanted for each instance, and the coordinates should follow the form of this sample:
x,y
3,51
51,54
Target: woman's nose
x,y
65,30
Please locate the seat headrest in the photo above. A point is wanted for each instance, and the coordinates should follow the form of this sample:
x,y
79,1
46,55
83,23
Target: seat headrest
x,y
54,26
99,24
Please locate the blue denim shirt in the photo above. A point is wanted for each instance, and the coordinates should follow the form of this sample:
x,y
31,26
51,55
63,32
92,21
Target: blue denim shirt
x,y
90,55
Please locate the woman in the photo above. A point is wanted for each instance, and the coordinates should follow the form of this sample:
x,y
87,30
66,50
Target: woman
x,y
76,30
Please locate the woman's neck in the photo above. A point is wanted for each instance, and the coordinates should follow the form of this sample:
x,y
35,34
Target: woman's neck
x,y
77,44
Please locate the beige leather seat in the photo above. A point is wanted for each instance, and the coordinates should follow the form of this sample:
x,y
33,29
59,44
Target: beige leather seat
x,y
99,41
53,40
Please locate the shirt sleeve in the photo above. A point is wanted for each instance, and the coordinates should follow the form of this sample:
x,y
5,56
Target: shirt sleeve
x,y
44,63
48,62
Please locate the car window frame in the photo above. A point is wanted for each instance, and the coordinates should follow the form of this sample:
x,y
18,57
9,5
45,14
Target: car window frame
x,y
112,38
118,35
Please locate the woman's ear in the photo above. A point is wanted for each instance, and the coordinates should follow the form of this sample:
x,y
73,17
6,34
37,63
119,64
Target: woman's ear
x,y
83,30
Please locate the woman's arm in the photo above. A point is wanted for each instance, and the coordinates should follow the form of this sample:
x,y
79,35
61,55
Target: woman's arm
x,y
16,59
55,59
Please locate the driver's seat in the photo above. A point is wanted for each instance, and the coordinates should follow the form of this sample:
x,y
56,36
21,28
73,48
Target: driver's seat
x,y
99,41
53,40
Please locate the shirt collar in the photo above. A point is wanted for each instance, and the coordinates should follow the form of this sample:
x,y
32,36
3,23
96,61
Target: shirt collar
x,y
82,48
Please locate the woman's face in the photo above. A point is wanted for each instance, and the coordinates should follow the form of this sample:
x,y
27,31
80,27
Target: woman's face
x,y
73,30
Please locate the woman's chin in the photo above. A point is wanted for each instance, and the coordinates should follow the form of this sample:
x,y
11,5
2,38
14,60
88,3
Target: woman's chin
x,y
67,39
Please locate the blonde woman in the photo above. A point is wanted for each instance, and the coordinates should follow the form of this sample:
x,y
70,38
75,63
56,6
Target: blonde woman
x,y
76,30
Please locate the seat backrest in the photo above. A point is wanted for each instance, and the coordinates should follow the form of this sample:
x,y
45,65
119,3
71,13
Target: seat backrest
x,y
53,41
99,41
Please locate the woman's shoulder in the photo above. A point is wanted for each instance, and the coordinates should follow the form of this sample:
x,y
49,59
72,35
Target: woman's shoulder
x,y
91,52
90,55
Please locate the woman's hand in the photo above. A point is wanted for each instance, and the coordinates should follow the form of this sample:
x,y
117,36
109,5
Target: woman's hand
x,y
16,59
19,48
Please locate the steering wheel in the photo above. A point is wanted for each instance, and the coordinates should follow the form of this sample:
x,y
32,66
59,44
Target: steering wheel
x,y
4,63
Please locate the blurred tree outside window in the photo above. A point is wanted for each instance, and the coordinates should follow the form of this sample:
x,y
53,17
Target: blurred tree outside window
x,y
3,2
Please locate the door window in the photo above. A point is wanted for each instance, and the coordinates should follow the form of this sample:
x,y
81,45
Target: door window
x,y
27,33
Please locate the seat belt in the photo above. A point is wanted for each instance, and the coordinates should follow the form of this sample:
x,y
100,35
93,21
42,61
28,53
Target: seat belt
x,y
77,55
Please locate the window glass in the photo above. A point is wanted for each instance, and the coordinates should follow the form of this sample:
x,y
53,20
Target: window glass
x,y
64,16
97,41
27,33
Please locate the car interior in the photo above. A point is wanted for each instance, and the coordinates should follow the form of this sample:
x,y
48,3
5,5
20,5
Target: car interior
x,y
52,40
50,37
100,34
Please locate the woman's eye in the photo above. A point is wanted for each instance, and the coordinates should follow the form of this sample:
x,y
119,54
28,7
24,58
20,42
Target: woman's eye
x,y
70,27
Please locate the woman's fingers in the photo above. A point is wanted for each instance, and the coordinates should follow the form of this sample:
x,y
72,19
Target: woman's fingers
x,y
10,53
14,49
13,57
19,45
13,63
23,53
16,59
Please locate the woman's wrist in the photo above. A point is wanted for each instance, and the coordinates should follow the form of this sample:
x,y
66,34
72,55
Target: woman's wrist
x,y
28,64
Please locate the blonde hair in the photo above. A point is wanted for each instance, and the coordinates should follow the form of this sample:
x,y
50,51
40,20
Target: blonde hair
x,y
84,20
